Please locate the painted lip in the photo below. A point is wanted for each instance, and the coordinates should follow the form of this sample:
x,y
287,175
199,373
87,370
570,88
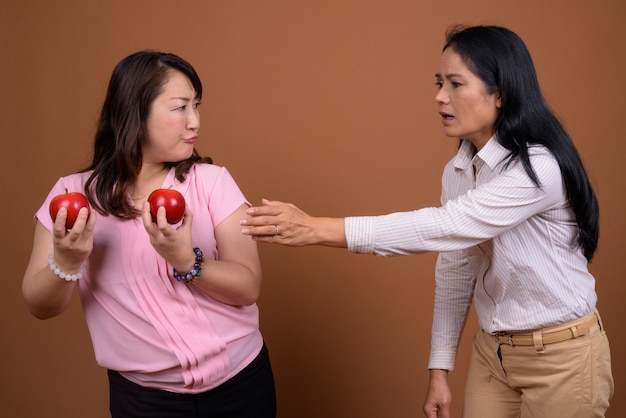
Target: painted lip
x,y
192,140
446,118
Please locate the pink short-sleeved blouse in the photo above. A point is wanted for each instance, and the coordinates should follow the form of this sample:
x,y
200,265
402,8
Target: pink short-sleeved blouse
x,y
154,330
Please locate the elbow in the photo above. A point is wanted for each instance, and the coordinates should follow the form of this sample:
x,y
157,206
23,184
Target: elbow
x,y
44,309
251,292
43,314
250,298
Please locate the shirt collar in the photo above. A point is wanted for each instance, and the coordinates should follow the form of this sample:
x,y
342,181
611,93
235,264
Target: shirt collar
x,y
492,154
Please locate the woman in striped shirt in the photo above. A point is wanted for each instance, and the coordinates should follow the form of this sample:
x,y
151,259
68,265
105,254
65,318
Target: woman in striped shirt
x,y
517,226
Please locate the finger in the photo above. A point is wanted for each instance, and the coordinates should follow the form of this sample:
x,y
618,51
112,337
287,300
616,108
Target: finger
x,y
260,231
264,210
267,202
431,411
162,218
187,216
262,238
269,207
440,411
444,412
59,223
269,239
146,217
261,221
80,222
91,221
284,206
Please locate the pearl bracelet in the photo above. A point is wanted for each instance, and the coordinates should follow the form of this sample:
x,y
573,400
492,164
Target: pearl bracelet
x,y
65,276
195,270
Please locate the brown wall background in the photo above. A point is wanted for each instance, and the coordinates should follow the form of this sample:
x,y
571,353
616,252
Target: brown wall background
x,y
325,103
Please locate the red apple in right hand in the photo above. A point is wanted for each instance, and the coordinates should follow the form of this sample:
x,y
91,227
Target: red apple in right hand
x,y
73,202
172,200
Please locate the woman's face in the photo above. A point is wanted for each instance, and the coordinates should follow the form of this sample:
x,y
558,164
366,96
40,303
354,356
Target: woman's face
x,y
467,110
173,123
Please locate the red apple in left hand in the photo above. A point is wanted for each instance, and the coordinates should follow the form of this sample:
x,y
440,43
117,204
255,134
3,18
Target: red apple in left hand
x,y
73,202
172,200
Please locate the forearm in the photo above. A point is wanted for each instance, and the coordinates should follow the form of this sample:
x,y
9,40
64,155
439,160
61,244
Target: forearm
x,y
229,282
438,375
46,294
453,297
329,232
235,277
447,328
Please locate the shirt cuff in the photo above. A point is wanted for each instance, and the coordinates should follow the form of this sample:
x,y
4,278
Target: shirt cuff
x,y
359,232
442,358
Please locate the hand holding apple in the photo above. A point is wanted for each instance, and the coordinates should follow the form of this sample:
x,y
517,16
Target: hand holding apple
x,y
172,200
73,202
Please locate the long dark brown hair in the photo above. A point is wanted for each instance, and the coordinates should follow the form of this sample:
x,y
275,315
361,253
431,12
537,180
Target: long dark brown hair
x,y
136,82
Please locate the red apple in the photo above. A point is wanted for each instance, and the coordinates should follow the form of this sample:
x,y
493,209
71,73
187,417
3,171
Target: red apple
x,y
72,201
172,200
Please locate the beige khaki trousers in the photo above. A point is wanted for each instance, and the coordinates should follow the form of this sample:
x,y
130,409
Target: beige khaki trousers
x,y
567,379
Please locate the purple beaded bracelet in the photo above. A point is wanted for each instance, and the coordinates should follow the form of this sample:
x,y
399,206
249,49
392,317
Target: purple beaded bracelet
x,y
195,270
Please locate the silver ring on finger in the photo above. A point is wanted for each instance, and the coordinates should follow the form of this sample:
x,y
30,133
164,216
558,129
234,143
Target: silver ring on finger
x,y
277,231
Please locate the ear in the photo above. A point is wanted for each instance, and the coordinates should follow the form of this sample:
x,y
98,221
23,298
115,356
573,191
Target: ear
x,y
499,102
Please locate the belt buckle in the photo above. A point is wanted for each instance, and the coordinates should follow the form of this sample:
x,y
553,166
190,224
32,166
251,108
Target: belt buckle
x,y
497,336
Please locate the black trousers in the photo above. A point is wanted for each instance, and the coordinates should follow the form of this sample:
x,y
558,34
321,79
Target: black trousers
x,y
249,394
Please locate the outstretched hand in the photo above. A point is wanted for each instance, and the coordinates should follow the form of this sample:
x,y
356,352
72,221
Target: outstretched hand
x,y
284,223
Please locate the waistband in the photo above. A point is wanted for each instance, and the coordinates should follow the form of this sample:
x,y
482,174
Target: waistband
x,y
551,335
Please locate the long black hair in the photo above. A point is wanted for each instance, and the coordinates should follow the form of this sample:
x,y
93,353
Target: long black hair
x,y
501,60
136,82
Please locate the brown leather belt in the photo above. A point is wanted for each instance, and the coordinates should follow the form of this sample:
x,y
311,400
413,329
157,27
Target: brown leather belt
x,y
547,336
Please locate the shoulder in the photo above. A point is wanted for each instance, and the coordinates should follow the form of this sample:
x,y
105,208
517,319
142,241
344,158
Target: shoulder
x,y
546,167
80,176
542,158
210,176
74,182
206,171
206,167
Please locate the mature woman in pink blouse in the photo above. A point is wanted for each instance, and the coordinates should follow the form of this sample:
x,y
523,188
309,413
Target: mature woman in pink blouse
x,y
170,308
517,225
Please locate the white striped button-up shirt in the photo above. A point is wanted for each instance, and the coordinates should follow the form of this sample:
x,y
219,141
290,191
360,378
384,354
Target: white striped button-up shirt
x,y
502,239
